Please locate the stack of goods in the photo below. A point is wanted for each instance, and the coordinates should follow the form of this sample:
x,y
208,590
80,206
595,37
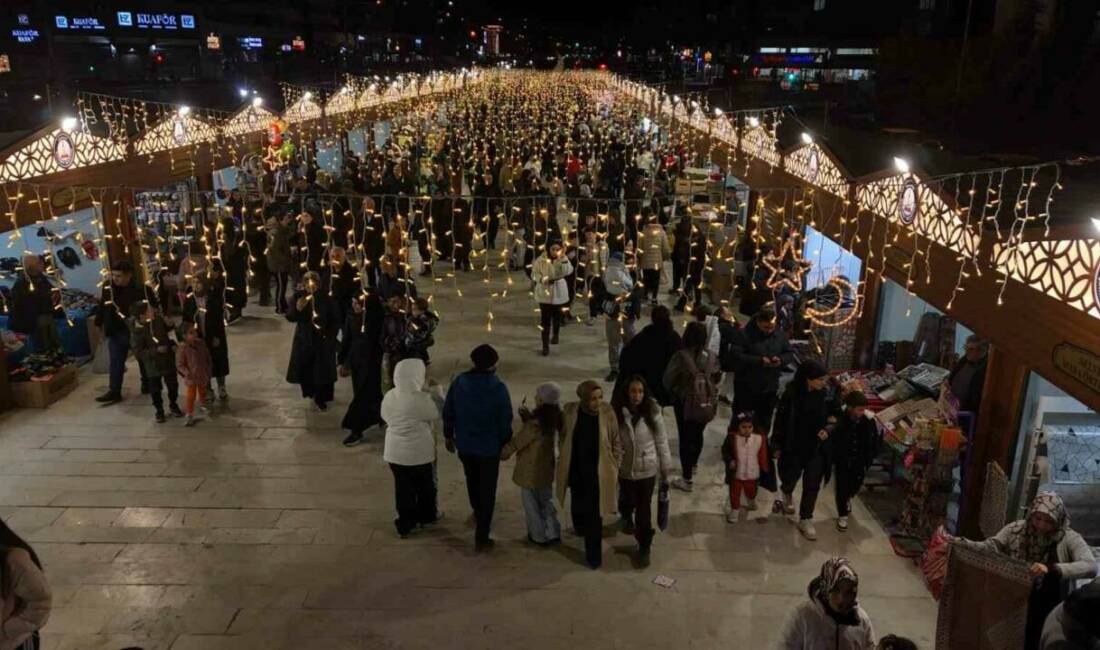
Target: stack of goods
x,y
77,302
925,376
930,463
39,366
12,344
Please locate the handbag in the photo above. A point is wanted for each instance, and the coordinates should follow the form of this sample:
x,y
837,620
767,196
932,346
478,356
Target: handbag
x,y
662,506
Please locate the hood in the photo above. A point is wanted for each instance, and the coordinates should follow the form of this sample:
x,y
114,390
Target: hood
x,y
408,375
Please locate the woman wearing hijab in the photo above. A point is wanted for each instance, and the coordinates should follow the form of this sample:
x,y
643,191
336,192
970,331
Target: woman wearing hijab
x,y
590,454
800,439
832,617
25,597
360,356
1056,555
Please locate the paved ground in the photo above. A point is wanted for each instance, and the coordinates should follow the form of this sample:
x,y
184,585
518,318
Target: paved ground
x,y
257,529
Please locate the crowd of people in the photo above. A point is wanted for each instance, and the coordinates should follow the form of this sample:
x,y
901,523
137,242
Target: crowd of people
x,y
577,192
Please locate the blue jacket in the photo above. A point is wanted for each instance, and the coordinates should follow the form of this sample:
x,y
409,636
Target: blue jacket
x,y
478,414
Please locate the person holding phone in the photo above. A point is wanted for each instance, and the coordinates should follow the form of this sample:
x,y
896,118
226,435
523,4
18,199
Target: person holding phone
x,y
549,273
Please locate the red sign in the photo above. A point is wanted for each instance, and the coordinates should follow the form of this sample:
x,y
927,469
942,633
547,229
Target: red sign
x,y
298,44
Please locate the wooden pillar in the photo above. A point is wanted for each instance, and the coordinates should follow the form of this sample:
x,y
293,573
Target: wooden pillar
x,y
867,325
998,426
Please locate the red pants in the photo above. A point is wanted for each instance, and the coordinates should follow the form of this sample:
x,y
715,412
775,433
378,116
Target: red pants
x,y
737,487
192,393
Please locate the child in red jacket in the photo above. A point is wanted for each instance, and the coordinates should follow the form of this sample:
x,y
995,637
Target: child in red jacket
x,y
745,454
194,364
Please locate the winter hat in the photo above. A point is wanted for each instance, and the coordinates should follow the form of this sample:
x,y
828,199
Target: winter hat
x,y
484,357
855,399
549,393
811,369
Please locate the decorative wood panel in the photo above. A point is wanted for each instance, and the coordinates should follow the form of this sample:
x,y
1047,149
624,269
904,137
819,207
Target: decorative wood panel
x,y
302,110
759,143
812,164
58,151
249,119
1066,270
174,132
907,201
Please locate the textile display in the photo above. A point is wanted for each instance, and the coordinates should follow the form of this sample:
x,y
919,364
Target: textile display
x,y
984,601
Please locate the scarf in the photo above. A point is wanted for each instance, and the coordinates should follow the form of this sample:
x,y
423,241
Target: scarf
x,y
833,572
584,390
1033,546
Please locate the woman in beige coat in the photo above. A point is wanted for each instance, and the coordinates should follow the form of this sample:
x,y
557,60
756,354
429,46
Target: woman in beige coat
x,y
653,250
533,448
588,466
24,593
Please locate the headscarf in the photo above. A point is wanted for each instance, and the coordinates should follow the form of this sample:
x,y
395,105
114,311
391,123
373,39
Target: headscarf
x,y
835,570
584,391
549,393
1037,547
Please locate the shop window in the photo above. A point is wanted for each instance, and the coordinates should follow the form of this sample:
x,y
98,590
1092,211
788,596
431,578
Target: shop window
x,y
911,331
819,5
1057,449
829,261
928,5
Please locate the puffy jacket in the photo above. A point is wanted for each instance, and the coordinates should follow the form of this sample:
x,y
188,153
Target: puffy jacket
x,y
549,278
653,247
809,627
477,414
145,338
193,363
751,454
534,452
409,412
748,351
644,451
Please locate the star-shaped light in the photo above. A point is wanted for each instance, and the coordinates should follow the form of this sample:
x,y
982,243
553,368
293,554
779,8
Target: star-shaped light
x,y
774,263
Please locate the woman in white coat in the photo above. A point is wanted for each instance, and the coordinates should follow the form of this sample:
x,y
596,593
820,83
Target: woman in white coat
x,y
409,412
549,272
831,619
25,598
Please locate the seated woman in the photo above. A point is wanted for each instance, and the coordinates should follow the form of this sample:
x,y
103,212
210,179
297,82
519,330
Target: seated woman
x,y
1056,555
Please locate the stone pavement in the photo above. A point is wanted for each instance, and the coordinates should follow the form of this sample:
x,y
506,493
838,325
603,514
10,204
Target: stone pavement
x,y
257,529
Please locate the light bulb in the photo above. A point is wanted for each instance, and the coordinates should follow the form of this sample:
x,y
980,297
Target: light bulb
x,y
807,138
68,123
184,110
257,101
754,122
243,92
901,164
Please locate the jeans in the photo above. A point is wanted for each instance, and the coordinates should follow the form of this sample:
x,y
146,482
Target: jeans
x,y
542,517
156,384
691,441
551,317
636,503
652,280
619,333
415,495
481,486
118,346
811,470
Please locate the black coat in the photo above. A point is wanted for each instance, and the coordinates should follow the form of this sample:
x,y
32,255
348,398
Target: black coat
x,y
313,353
112,317
361,351
211,324
854,443
648,355
746,355
342,286
27,304
972,400
798,419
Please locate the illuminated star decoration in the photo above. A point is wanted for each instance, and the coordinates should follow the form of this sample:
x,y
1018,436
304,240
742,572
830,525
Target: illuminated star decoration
x,y
774,263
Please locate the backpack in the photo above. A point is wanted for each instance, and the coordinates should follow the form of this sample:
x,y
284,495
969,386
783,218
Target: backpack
x,y
701,401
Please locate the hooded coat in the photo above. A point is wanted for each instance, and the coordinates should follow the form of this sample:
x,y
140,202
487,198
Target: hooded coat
x,y
409,412
648,354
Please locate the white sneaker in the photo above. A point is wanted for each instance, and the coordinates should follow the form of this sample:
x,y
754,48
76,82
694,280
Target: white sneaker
x,y
190,421
681,484
788,503
806,527
201,413
733,517
842,523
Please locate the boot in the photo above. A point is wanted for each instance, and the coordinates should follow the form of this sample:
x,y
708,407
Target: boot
x,y
110,397
644,545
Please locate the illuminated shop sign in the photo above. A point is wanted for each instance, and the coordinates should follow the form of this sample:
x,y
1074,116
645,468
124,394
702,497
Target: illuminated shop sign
x,y
787,59
90,23
25,35
250,42
155,21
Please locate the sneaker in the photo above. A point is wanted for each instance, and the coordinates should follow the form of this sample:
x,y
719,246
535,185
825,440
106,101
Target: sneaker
x,y
438,518
545,351
110,397
788,503
160,417
733,516
612,376
175,410
806,527
777,507
201,413
842,524
354,438
681,484
223,394
190,422
321,408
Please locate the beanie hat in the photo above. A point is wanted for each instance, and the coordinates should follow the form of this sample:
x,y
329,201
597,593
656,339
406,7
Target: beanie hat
x,y
484,357
549,393
855,399
811,369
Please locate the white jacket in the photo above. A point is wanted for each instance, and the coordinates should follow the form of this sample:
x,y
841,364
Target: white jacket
x,y
549,277
747,451
644,451
714,337
409,412
616,279
809,628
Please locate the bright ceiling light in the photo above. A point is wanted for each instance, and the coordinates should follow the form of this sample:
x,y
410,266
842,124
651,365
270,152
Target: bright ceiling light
x,y
243,92
901,164
184,110
257,101
307,96
1096,222
754,122
717,112
807,138
68,123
